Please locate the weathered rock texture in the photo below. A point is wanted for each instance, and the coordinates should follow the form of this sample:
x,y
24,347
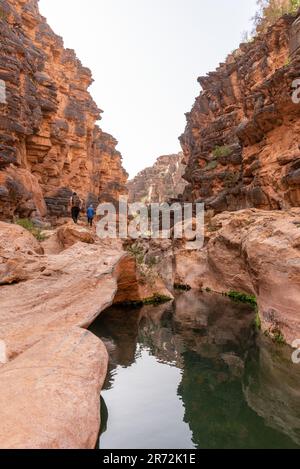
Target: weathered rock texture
x,y
241,142
49,143
159,183
52,370
41,293
252,251
50,394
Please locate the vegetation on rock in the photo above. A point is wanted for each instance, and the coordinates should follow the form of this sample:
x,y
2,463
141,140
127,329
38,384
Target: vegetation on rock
x,y
222,151
276,335
155,300
242,297
182,287
211,165
29,226
271,10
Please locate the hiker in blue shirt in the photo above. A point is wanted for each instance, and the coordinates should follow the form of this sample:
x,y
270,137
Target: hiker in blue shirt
x,y
90,213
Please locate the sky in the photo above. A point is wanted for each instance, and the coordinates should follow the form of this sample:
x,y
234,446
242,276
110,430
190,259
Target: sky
x,y
146,56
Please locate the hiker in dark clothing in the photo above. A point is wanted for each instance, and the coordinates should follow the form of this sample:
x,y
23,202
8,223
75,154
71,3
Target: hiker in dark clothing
x,y
75,207
90,213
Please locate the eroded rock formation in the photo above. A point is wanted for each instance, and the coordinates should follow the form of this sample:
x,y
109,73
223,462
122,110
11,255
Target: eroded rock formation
x,y
251,251
49,143
50,292
241,142
160,182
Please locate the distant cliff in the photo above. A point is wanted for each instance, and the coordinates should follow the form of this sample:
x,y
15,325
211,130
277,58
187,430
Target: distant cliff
x,y
241,142
160,182
49,143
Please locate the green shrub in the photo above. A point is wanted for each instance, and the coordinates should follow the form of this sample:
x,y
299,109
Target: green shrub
x,y
277,336
211,165
231,179
137,252
222,151
270,10
29,226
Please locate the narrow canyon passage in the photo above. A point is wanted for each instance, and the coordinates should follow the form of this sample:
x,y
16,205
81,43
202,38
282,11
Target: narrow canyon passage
x,y
188,376
94,305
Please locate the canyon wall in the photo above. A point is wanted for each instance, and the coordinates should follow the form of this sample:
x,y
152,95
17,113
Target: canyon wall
x,y
241,142
160,182
50,144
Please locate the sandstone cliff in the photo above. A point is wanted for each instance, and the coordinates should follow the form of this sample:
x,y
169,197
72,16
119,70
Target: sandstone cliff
x,y
159,183
49,143
241,141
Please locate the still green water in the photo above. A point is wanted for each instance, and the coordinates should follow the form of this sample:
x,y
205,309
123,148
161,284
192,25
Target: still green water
x,y
194,374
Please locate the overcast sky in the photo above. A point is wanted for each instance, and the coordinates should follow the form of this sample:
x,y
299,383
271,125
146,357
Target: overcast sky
x,y
145,56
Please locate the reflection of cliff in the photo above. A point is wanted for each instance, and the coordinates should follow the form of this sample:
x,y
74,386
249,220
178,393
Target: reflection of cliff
x,y
211,323
233,395
158,335
118,328
272,389
217,335
216,410
205,323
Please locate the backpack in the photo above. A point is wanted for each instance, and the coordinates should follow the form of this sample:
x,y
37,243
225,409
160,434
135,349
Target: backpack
x,y
76,201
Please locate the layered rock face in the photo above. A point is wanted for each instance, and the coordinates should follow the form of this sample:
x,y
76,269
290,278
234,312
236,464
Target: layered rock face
x,y
49,143
159,183
241,141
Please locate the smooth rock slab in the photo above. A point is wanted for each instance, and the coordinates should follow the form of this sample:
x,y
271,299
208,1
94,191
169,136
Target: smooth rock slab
x,y
70,289
49,395
255,252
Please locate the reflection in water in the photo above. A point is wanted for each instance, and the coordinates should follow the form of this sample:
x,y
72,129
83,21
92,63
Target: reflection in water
x,y
192,375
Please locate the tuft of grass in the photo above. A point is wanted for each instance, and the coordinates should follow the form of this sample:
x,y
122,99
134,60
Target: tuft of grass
x,y
157,299
277,336
242,298
181,287
250,300
29,226
257,321
222,151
